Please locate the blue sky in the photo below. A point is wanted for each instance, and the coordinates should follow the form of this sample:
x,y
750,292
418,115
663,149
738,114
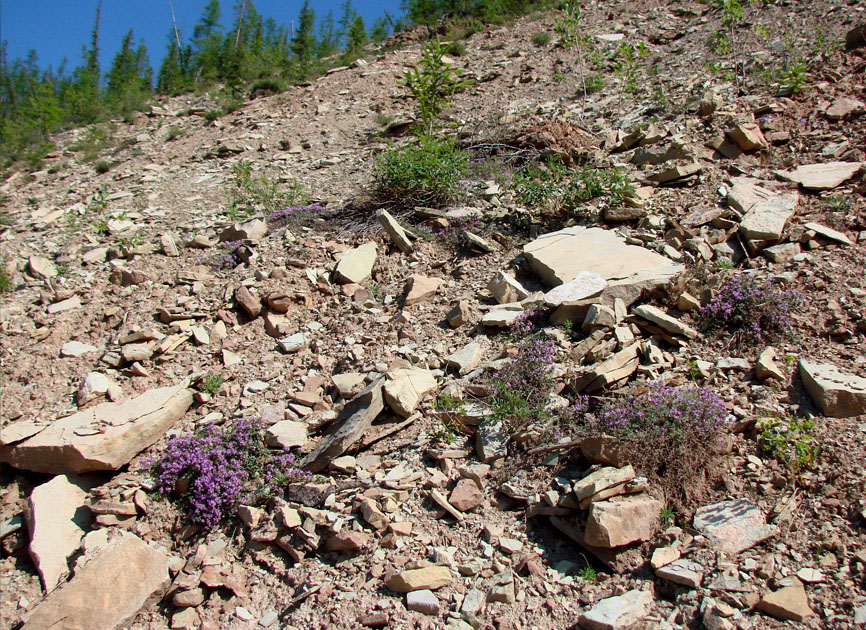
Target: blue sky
x,y
59,28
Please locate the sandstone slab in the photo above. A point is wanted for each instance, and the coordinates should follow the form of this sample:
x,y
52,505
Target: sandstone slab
x,y
406,387
426,578
395,231
822,176
558,258
602,479
287,434
766,218
105,437
108,592
733,526
584,285
790,603
618,613
466,358
665,321
505,288
356,264
622,520
419,288
837,393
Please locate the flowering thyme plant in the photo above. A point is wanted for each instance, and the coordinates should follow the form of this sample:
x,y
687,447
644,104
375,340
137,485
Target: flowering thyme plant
x,y
294,214
521,388
216,470
753,312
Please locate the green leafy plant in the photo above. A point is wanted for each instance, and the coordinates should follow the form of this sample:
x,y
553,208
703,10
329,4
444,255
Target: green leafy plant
x,y
667,515
791,441
588,574
447,401
432,82
174,133
627,58
567,25
541,39
211,383
795,80
838,204
254,193
427,171
5,278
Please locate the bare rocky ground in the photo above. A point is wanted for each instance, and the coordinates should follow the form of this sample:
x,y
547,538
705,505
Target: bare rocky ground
x,y
99,288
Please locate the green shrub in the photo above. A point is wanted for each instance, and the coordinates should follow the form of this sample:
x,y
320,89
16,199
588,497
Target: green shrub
x,y
5,278
791,441
554,186
254,193
541,39
432,82
102,167
425,172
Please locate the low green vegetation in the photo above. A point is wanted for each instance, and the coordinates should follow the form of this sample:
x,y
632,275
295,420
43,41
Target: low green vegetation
x,y
426,171
791,441
258,193
432,82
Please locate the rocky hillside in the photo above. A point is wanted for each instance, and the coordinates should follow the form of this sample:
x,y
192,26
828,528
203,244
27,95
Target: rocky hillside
x,y
617,381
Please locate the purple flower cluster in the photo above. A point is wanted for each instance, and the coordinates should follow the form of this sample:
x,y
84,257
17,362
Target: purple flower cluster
x,y
228,257
454,233
294,213
528,374
670,413
217,469
752,311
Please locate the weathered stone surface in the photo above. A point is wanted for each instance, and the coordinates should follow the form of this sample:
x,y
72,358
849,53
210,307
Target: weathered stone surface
x,y
584,285
348,384
602,479
356,265
466,358
423,601
822,176
618,366
251,304
665,321
733,526
287,434
458,315
684,572
838,394
405,388
560,256
790,603
748,136
746,192
829,233
95,385
293,343
419,288
491,440
503,315
56,519
844,107
253,230
676,174
766,367
618,613
782,253
622,520
766,218
108,593
41,268
664,556
348,541
505,288
102,438
429,578
355,418
395,231
466,495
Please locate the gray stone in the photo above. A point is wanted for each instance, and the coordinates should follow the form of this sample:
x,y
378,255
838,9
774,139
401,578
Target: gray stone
x,y
287,434
293,343
108,592
584,285
353,421
766,218
664,321
618,613
560,256
598,316
395,231
356,265
733,526
64,305
466,358
253,230
782,253
838,394
491,441
822,176
505,288
829,233
622,520
423,601
76,349
682,571
502,316
105,437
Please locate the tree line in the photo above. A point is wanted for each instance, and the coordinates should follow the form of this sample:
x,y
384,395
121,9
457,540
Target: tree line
x,y
249,55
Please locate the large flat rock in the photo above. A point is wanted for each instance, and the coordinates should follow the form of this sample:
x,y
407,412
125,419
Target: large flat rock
x,y
108,593
838,394
622,520
733,526
105,437
822,176
560,256
618,613
766,218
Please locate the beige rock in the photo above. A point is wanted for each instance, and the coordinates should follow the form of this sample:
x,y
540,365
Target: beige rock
x,y
466,358
406,387
419,288
458,315
395,231
789,603
250,303
253,230
766,218
102,438
622,520
766,367
748,137
41,268
466,495
837,393
829,233
664,321
602,479
430,578
618,613
822,176
844,107
503,315
96,385
287,434
56,521
584,285
505,288
108,592
356,264
664,556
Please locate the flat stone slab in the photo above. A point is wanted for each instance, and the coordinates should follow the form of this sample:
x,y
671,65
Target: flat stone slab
x,y
829,233
790,603
584,285
356,265
466,358
838,394
665,321
618,613
766,218
105,437
406,387
822,176
622,520
395,231
733,526
558,258
108,592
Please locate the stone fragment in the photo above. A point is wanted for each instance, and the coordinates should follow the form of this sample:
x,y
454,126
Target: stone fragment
x,y
347,541
622,520
286,434
405,387
584,285
64,305
766,367
598,316
277,326
125,578
251,304
502,316
622,612
676,174
558,257
687,302
782,253
353,421
664,321
837,393
602,479
253,230
491,440
459,314
56,525
466,358
710,102
395,231
105,437
348,384
356,264
822,176
664,556
429,578
423,601
168,245
733,526
829,233
293,343
76,349
844,107
466,495
419,288
440,500
41,268
790,603
505,288
683,572
748,137
766,218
